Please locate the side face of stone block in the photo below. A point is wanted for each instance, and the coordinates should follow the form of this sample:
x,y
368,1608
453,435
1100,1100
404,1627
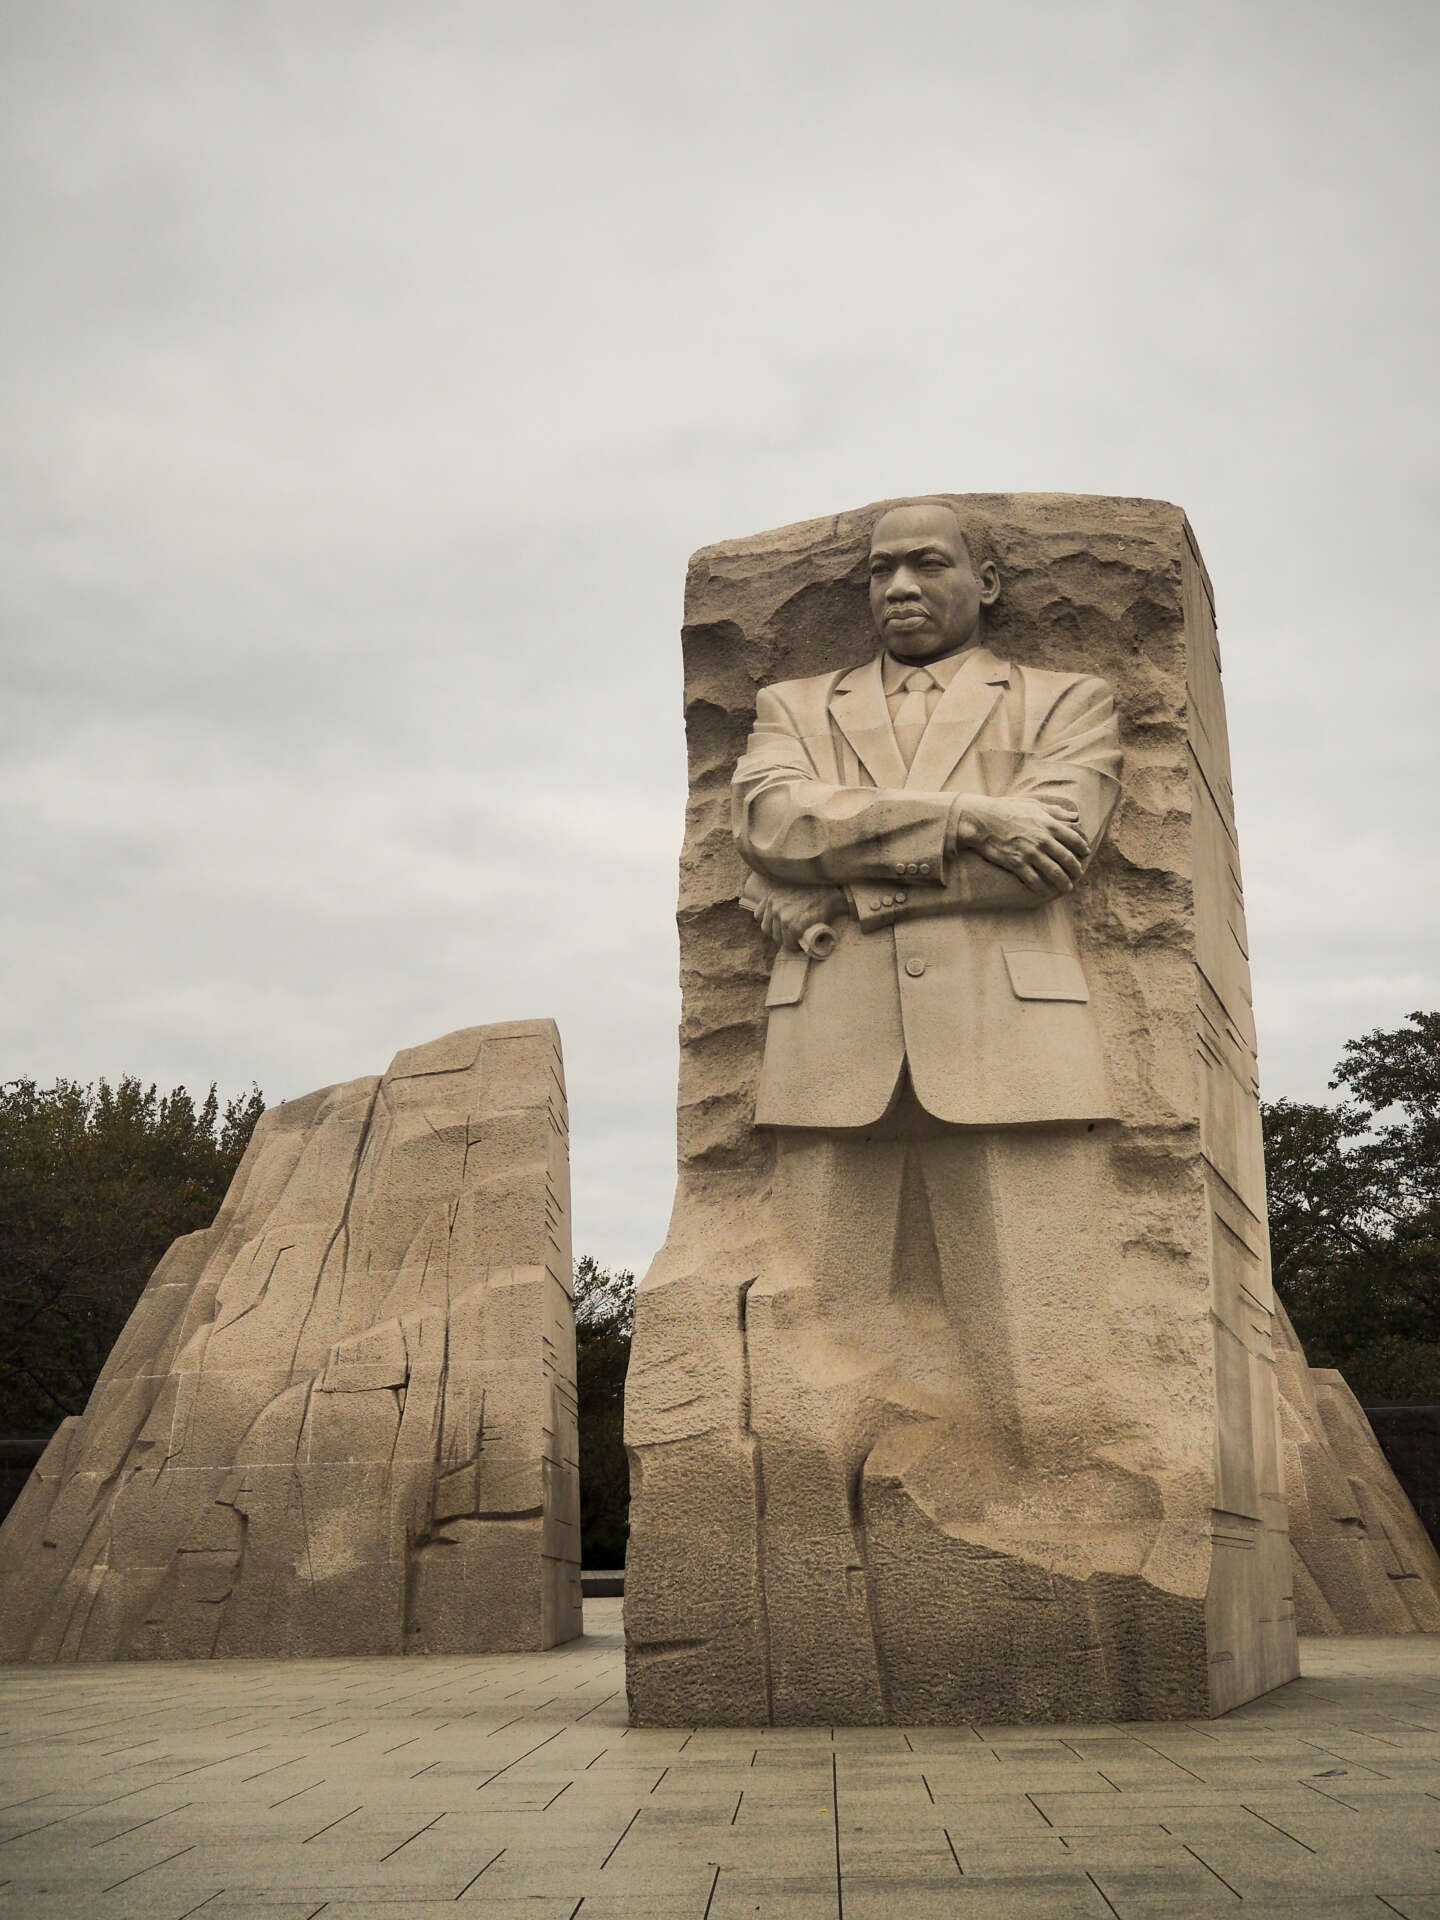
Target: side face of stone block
x,y
342,1419
975,1419
1250,1616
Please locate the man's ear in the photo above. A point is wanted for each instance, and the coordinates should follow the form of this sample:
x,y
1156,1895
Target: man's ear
x,y
989,577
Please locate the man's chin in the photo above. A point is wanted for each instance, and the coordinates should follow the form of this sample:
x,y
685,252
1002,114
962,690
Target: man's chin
x,y
914,643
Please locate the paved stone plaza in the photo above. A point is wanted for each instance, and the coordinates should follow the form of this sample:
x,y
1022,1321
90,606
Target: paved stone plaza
x,y
510,1784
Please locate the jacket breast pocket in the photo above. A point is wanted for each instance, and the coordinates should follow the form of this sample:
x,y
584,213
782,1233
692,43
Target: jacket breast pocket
x,y
1037,975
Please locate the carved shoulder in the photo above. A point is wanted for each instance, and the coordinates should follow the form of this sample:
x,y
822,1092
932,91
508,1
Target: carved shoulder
x,y
1065,699
1046,685
800,706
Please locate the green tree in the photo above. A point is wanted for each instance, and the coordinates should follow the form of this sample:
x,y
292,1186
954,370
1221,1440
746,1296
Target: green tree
x,y
604,1321
1355,1213
95,1182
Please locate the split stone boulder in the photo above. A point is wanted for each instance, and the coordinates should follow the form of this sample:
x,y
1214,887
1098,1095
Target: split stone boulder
x,y
1363,1563
342,1419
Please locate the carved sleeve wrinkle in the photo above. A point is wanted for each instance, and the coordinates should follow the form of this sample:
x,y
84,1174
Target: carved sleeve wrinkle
x,y
795,827
1074,752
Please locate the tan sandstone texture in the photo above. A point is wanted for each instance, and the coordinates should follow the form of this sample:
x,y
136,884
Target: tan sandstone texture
x,y
1363,1563
966,1409
341,1420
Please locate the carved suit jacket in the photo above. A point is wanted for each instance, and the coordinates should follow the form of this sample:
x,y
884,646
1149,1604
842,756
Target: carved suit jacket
x,y
950,966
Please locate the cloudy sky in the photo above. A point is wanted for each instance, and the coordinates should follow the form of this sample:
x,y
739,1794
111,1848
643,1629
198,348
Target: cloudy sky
x,y
371,370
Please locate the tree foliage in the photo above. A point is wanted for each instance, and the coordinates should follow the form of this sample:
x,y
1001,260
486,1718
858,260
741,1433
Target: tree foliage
x,y
604,1321
95,1182
1355,1213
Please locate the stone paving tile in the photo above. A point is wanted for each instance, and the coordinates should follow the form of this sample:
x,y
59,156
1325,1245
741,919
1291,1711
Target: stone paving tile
x,y
511,1786
1059,1895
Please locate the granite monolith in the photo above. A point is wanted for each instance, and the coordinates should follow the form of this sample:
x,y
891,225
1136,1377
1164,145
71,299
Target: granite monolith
x,y
953,1389
341,1420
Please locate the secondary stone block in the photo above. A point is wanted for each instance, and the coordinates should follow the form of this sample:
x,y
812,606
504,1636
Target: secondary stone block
x,y
342,1419
953,1393
1363,1561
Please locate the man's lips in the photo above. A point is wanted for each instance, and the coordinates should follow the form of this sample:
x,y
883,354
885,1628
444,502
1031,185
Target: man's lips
x,y
906,617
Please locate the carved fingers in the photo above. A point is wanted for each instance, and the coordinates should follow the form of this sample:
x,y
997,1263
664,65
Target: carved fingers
x,y
1039,841
787,914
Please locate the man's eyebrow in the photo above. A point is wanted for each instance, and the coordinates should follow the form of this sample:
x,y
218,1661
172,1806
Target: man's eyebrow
x,y
911,553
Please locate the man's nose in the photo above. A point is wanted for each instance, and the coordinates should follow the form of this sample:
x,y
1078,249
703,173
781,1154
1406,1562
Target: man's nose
x,y
903,585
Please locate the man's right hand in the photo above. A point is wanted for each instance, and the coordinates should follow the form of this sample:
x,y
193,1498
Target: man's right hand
x,y
1039,841
786,914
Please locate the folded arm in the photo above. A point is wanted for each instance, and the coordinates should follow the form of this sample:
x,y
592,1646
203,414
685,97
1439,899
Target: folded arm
x,y
802,831
1070,774
974,886
896,853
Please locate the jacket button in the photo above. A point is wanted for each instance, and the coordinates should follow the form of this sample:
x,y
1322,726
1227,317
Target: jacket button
x,y
914,968
924,866
899,899
900,868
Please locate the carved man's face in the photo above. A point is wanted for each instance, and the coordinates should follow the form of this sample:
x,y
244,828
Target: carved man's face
x,y
925,593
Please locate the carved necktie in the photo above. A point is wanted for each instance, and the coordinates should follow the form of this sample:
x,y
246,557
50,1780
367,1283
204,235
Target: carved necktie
x,y
913,713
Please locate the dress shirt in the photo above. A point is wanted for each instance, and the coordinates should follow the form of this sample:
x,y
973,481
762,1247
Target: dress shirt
x,y
911,706
893,673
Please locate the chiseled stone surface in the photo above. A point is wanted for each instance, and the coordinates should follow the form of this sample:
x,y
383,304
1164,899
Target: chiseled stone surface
x,y
931,1424
341,1420
1363,1561
510,1785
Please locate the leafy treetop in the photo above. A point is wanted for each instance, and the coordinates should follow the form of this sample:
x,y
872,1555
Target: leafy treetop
x,y
95,1183
1354,1202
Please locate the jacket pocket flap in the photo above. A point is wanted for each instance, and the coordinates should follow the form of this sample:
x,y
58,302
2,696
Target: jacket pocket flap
x,y
787,978
1036,975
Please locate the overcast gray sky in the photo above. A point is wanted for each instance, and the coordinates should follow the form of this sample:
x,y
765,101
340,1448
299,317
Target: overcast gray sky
x,y
371,370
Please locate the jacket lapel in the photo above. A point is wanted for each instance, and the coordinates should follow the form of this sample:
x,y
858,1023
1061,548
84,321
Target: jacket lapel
x,y
858,708
963,709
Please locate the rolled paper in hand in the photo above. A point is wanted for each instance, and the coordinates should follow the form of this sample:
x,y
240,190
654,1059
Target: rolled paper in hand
x,y
818,940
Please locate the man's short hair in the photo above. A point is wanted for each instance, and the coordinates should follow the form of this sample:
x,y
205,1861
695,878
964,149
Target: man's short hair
x,y
979,543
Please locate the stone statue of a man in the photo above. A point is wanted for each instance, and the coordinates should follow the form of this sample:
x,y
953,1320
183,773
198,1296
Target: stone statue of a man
x,y
935,806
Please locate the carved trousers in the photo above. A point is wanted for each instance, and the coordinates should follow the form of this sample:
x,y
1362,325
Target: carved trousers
x,y
974,1278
